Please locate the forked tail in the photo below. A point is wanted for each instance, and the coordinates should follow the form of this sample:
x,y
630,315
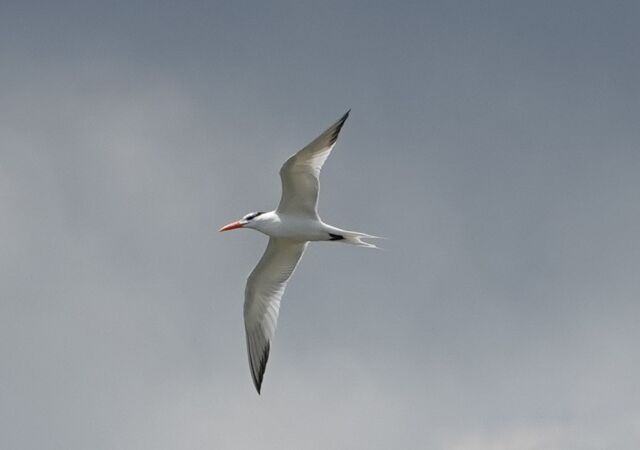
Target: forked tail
x,y
355,238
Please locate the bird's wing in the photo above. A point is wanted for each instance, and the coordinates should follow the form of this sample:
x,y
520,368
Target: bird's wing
x,y
265,287
300,173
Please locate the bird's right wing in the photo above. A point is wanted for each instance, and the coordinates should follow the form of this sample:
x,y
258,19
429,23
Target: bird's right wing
x,y
300,173
265,287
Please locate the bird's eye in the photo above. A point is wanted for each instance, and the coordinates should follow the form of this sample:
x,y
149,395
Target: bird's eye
x,y
252,215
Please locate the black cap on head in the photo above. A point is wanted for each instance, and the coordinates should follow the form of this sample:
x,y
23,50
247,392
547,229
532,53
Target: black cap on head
x,y
253,215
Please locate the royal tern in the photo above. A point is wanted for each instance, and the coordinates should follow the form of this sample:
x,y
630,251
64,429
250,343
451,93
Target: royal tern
x,y
290,228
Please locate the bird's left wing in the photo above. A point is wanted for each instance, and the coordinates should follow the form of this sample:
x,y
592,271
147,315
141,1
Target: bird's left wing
x,y
300,173
265,287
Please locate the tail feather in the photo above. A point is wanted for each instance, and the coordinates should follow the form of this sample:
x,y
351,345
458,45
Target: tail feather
x,y
355,238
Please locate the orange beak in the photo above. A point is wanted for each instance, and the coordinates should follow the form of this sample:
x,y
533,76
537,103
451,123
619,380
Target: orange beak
x,y
231,226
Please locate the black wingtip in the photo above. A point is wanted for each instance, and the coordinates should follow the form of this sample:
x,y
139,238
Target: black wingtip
x,y
343,119
257,383
259,375
338,126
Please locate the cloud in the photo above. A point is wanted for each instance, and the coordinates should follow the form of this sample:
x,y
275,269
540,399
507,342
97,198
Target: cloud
x,y
498,155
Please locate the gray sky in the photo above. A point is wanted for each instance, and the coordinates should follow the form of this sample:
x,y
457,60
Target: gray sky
x,y
495,143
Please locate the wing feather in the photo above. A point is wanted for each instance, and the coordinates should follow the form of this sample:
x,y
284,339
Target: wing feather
x,y
300,173
263,292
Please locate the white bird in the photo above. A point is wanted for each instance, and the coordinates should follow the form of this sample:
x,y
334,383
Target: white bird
x,y
290,228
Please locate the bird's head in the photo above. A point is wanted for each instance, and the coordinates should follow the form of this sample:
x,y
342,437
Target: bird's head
x,y
247,221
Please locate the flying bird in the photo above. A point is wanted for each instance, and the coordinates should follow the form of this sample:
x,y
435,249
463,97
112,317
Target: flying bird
x,y
290,228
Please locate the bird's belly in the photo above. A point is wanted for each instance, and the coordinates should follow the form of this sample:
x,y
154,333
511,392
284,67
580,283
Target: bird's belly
x,y
299,230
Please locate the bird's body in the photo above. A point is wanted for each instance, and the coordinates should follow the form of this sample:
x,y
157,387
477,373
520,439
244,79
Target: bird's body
x,y
297,228
290,228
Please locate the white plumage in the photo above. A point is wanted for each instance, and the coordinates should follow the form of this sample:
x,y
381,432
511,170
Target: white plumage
x,y
290,228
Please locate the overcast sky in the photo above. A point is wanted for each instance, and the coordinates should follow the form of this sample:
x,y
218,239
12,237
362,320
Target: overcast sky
x,y
496,144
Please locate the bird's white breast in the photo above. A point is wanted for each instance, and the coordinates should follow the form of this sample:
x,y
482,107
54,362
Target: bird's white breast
x,y
299,228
